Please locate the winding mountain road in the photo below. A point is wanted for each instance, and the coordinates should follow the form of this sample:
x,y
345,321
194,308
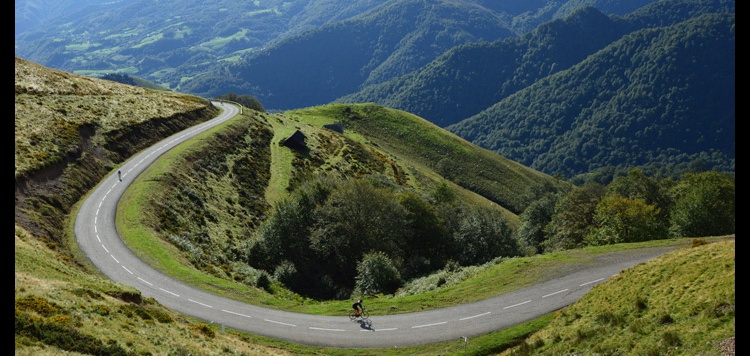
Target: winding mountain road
x,y
98,239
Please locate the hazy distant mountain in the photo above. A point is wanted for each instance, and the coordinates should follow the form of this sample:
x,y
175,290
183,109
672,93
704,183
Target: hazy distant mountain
x,y
322,64
35,17
170,42
167,41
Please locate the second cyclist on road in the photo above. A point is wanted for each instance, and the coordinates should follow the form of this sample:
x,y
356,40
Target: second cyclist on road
x,y
357,306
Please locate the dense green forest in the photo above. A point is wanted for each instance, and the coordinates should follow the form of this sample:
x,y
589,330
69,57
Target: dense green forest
x,y
474,76
632,208
394,237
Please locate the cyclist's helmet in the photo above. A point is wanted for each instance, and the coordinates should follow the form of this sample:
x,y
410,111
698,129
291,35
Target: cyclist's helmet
x,y
359,301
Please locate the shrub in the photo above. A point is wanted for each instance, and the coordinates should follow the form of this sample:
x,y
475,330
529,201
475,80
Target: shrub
x,y
671,338
286,273
376,273
699,242
263,282
665,319
37,304
204,329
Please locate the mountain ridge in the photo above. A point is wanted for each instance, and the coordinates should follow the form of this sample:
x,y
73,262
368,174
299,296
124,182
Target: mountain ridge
x,y
636,122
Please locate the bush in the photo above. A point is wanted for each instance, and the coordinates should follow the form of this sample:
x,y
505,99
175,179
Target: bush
x,y
286,273
205,330
264,282
376,273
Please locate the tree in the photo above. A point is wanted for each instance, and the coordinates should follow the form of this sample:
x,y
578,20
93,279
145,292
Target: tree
x,y
573,218
704,205
356,218
247,101
426,243
619,219
119,78
534,220
376,273
282,236
482,235
282,241
636,184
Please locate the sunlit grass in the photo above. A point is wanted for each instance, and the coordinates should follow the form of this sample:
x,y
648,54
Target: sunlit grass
x,y
681,303
46,125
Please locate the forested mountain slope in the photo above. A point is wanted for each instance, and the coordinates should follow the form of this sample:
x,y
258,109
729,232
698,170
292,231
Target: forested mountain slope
x,y
330,61
662,96
385,42
445,61
469,78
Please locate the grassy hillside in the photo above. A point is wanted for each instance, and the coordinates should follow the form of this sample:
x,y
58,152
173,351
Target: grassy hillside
x,y
421,145
71,130
63,305
214,193
680,304
53,109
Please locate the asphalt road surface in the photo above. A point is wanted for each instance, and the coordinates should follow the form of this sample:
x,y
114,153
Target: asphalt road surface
x,y
98,238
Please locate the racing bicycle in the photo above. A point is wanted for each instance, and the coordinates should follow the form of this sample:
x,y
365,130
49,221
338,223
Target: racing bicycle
x,y
364,314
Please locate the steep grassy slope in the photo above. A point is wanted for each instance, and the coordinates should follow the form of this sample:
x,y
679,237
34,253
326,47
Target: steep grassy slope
x,y
417,142
70,130
60,308
680,304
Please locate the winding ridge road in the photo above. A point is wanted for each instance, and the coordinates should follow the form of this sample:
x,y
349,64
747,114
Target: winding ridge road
x,y
98,238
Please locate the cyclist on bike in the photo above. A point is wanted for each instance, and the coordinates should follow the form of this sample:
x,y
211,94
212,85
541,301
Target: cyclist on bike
x,y
357,306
